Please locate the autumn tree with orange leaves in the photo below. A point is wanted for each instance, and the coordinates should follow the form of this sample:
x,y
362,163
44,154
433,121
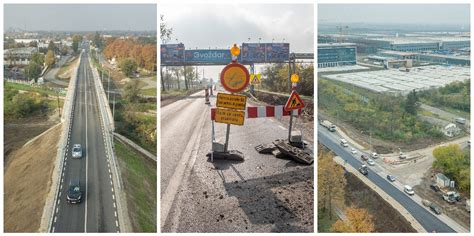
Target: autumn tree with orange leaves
x,y
358,221
143,54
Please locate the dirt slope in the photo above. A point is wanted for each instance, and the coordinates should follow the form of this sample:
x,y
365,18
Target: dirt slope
x,y
27,181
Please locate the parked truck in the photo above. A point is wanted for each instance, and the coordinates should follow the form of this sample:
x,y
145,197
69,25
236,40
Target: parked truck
x,y
330,126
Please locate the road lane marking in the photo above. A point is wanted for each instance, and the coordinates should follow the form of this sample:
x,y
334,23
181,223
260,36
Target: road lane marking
x,y
113,196
55,218
116,223
112,189
61,187
281,127
57,209
115,213
87,149
53,229
111,183
114,205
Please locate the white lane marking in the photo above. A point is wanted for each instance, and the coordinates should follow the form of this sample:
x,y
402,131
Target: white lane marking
x,y
111,183
281,127
59,200
87,148
110,176
113,196
115,213
109,171
53,229
112,189
57,209
114,205
55,218
60,194
61,187
116,223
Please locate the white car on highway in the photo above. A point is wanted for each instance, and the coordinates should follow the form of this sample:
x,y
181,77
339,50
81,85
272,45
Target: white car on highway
x,y
371,162
375,155
409,190
76,151
353,151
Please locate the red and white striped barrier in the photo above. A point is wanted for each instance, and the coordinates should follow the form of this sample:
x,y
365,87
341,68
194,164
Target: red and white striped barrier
x,y
265,111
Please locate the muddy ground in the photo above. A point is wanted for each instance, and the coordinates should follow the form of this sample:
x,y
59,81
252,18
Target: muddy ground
x,y
27,180
386,218
380,146
455,211
18,132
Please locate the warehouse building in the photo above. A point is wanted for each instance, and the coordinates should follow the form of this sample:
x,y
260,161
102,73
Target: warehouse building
x,y
336,54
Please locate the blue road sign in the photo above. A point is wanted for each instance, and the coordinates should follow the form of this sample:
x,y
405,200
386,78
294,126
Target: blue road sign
x,y
277,52
211,57
172,53
253,52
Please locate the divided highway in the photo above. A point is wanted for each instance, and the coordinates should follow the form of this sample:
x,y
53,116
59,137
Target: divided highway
x,y
422,215
97,211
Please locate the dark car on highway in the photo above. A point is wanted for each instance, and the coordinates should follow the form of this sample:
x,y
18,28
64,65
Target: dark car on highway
x,y
364,157
435,209
391,178
363,170
74,193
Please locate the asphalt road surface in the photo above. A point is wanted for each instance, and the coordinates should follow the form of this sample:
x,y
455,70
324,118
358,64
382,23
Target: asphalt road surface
x,y
422,215
261,194
97,212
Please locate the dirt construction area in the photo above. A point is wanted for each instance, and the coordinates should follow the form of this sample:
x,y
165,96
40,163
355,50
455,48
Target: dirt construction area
x,y
456,211
27,180
386,218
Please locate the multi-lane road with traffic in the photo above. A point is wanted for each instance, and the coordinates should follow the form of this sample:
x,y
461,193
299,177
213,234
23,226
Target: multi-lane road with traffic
x,y
97,212
430,222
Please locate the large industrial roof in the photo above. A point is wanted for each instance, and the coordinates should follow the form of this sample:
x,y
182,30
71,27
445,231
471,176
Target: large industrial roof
x,y
400,81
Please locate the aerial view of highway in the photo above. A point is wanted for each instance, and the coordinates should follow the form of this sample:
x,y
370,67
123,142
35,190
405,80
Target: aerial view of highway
x,y
393,118
237,118
79,157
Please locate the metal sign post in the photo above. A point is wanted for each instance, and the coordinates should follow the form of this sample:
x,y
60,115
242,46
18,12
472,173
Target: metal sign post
x,y
226,144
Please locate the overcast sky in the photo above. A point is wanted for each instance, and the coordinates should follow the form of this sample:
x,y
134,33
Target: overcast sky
x,y
80,17
221,25
431,14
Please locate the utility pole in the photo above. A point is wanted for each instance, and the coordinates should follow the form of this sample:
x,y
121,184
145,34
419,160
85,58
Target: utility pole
x,y
113,109
108,86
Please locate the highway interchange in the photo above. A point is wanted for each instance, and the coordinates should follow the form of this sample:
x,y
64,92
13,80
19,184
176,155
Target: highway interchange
x,y
429,221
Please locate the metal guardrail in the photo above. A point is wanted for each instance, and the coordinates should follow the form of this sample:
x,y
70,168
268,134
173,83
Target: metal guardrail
x,y
108,125
66,119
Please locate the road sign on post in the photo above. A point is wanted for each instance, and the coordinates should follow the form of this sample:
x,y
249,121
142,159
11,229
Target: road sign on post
x,y
235,77
231,117
255,79
294,102
231,101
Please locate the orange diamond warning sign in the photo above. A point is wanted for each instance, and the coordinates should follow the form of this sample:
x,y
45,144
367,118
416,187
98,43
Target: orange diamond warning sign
x,y
294,102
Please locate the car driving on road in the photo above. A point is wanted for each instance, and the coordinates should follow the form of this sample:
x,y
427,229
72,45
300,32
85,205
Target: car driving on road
x,y
353,151
374,155
364,157
391,178
436,209
76,151
363,170
74,193
409,190
371,162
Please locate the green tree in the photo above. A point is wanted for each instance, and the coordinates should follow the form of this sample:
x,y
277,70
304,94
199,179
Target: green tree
x,y
50,58
128,66
51,46
331,182
33,71
132,91
165,36
76,39
98,40
454,163
38,58
411,103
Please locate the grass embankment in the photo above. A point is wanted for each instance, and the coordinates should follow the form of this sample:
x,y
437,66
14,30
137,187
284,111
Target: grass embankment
x,y
139,176
36,89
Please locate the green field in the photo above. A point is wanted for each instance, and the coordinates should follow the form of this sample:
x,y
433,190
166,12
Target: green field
x,y
139,177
